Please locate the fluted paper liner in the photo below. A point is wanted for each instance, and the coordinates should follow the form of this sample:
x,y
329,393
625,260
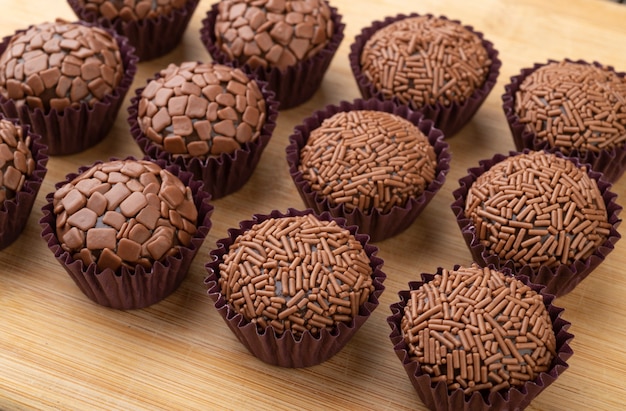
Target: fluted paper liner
x,y
292,86
223,174
153,37
376,224
286,350
14,213
126,289
559,280
611,161
437,397
451,118
76,129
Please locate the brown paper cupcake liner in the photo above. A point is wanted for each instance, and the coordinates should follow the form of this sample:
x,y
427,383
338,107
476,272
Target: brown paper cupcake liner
x,y
296,84
14,213
286,350
449,119
151,38
610,162
560,280
76,129
223,174
376,224
128,290
437,397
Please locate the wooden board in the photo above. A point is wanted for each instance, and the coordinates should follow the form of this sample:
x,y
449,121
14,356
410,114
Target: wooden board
x,y
58,350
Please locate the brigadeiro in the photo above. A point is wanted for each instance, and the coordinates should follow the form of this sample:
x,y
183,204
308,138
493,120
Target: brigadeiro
x,y
126,231
574,107
23,162
478,339
294,287
287,43
210,119
153,27
432,64
539,214
67,81
371,162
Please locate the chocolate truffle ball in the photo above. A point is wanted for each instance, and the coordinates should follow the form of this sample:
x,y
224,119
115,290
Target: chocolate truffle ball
x,y
296,273
274,33
425,60
538,209
124,213
477,329
368,160
128,10
201,109
574,106
16,160
58,65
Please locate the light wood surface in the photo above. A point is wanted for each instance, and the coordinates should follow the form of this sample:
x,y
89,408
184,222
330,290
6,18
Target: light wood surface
x,y
59,350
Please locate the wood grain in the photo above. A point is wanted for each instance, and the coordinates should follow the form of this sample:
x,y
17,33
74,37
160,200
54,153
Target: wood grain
x,y
58,350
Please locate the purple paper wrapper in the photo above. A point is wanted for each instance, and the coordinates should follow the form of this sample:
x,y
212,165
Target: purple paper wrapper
x,y
296,84
376,224
437,397
152,37
127,290
610,162
14,213
76,129
286,350
223,174
449,119
560,280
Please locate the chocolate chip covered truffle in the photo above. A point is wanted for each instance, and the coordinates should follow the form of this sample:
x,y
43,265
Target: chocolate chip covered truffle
x,y
59,65
16,160
538,209
129,10
425,60
368,160
124,213
274,33
201,109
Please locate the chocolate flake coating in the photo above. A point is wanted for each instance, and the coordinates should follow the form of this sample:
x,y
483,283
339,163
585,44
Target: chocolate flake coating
x,y
201,109
58,65
274,33
124,212
129,10
16,160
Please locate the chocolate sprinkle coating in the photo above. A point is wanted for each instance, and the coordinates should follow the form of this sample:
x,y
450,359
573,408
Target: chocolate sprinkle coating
x,y
425,60
296,273
574,106
16,160
124,213
129,10
58,65
477,329
368,160
201,109
275,33
538,209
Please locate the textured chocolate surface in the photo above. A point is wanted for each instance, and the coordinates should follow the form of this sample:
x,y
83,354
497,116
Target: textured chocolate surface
x,y
129,10
574,106
58,65
477,329
276,33
538,209
368,160
296,273
124,212
425,60
16,160
201,109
